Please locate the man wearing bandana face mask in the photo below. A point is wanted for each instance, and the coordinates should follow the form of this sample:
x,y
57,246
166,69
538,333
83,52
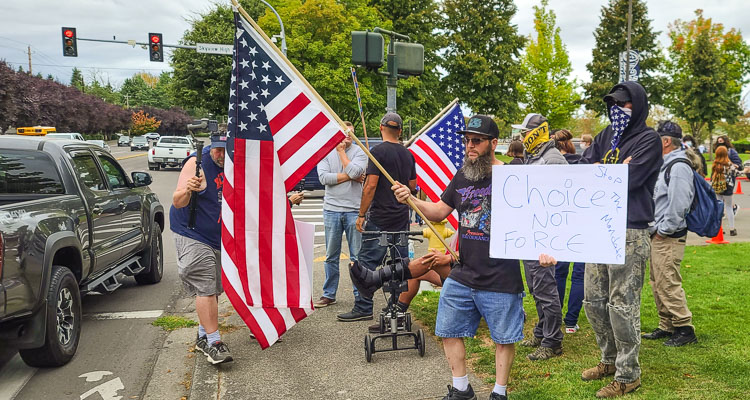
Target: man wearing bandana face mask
x,y
612,293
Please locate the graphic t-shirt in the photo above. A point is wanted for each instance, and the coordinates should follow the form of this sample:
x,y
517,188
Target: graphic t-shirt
x,y
475,269
385,211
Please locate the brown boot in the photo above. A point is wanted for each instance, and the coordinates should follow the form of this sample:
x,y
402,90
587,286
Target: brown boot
x,y
615,389
598,372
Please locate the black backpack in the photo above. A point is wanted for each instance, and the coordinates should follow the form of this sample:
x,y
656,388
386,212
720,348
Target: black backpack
x,y
706,212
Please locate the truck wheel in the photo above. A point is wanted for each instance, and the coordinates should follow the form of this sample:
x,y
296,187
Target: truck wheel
x,y
63,329
155,256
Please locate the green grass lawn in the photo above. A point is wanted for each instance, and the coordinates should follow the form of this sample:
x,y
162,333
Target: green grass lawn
x,y
716,280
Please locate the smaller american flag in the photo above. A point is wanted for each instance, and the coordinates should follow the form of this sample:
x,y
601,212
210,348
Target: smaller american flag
x,y
439,154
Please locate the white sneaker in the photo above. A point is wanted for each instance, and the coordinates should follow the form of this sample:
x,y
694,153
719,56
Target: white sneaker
x,y
572,329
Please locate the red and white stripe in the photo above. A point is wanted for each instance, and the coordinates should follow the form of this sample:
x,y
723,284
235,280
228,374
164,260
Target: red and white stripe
x,y
434,171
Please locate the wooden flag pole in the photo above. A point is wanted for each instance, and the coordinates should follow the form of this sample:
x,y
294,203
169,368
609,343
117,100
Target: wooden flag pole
x,y
336,117
359,104
432,121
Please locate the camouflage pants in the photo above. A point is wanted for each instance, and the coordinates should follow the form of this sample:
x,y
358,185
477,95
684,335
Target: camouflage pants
x,y
612,300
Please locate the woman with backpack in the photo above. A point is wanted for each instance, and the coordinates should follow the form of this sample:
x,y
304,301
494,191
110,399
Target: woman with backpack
x,y
723,173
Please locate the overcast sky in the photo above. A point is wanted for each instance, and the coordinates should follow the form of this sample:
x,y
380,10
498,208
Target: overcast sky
x,y
38,23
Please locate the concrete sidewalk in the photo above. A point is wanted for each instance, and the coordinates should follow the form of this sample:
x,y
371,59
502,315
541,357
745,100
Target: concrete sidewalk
x,y
322,358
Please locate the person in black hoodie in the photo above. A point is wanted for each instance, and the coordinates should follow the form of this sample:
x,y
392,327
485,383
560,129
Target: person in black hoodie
x,y
612,293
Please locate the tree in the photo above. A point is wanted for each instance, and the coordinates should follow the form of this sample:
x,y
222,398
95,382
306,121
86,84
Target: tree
x,y
545,87
145,92
481,58
707,68
8,94
143,123
76,80
611,39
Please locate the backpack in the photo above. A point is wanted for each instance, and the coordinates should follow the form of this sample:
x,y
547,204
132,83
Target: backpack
x,y
706,212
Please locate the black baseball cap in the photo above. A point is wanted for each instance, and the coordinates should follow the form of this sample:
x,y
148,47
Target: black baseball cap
x,y
618,95
481,125
392,120
669,128
218,140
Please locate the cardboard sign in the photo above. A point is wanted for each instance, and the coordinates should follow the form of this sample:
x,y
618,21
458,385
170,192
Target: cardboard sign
x,y
573,213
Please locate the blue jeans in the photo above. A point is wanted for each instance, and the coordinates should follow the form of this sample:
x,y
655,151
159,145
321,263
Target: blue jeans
x,y
575,298
371,255
336,223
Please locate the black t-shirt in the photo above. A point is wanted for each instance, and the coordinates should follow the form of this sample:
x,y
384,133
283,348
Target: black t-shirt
x,y
473,201
385,212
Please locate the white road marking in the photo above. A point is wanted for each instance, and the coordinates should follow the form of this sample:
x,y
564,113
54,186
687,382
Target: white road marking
x,y
14,376
126,315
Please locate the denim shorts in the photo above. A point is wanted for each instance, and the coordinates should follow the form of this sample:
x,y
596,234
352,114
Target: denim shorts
x,y
461,307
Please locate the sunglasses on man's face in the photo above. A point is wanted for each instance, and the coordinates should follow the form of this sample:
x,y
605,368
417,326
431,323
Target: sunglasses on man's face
x,y
475,140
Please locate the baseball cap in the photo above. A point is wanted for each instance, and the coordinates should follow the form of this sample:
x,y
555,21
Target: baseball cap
x,y
532,121
481,125
392,120
618,95
669,128
218,140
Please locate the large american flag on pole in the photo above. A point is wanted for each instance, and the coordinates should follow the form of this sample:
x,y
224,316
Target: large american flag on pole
x,y
439,154
277,131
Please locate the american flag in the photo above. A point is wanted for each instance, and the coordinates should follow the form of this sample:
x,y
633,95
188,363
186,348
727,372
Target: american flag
x,y
439,153
277,131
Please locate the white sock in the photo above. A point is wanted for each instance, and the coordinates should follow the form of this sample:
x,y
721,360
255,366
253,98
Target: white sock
x,y
461,383
214,337
500,389
201,331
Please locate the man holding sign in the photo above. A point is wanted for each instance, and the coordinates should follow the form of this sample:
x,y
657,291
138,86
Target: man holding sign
x,y
478,286
612,292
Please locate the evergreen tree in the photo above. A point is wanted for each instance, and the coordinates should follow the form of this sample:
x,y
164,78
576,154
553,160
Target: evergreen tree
x,y
481,57
611,39
546,87
76,80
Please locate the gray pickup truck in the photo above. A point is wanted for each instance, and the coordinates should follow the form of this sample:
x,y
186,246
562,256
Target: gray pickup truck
x,y
71,222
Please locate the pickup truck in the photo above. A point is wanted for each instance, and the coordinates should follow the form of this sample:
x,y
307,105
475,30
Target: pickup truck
x,y
71,222
169,152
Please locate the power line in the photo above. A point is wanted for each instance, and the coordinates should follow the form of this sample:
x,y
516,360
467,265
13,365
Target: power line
x,y
84,67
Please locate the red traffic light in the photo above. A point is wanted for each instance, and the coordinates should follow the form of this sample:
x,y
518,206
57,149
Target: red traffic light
x,y
155,39
68,33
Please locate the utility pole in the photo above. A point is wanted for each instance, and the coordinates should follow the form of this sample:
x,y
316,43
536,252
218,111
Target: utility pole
x,y
627,56
29,60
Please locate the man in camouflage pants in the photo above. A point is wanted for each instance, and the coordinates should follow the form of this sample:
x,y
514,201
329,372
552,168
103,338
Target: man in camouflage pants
x,y
612,292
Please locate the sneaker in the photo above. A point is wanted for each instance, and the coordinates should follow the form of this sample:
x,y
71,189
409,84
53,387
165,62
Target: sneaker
x,y
533,341
455,394
545,353
657,334
354,315
572,329
201,344
600,371
324,302
615,389
496,396
733,232
682,336
219,353
735,209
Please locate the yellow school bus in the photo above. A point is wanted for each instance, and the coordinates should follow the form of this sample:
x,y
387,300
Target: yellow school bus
x,y
35,130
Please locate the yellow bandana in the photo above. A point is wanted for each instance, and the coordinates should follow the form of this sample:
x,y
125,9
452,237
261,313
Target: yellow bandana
x,y
537,137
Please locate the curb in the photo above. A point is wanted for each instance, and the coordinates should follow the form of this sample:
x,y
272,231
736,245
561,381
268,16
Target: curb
x,y
133,156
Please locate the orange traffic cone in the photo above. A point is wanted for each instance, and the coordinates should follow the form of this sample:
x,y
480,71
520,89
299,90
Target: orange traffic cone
x,y
739,188
719,238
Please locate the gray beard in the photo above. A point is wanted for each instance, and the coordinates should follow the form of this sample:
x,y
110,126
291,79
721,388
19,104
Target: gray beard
x,y
478,169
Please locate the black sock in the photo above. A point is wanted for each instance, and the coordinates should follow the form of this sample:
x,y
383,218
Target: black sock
x,y
402,306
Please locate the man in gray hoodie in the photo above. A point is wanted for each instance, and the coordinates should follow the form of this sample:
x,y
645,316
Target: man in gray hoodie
x,y
673,196
342,172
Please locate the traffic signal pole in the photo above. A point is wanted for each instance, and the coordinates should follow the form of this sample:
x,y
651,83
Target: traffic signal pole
x,y
391,81
134,43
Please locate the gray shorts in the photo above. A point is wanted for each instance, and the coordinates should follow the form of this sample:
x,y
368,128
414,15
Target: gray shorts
x,y
199,267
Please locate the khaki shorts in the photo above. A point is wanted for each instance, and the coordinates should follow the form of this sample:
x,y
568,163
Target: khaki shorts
x,y
199,267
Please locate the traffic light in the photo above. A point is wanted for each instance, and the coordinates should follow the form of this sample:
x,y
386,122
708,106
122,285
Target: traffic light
x,y
70,42
410,58
156,51
367,49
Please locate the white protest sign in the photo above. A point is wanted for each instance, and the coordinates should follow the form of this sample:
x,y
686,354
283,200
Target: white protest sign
x,y
573,213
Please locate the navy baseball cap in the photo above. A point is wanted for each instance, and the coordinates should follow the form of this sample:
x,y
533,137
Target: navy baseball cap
x,y
218,140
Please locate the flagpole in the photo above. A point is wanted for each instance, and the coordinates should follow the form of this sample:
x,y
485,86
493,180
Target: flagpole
x,y
359,104
338,119
432,121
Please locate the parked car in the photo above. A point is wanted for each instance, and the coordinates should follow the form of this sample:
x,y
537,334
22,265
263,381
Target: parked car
x,y
152,136
66,135
123,140
99,143
71,222
502,148
169,152
746,166
138,143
